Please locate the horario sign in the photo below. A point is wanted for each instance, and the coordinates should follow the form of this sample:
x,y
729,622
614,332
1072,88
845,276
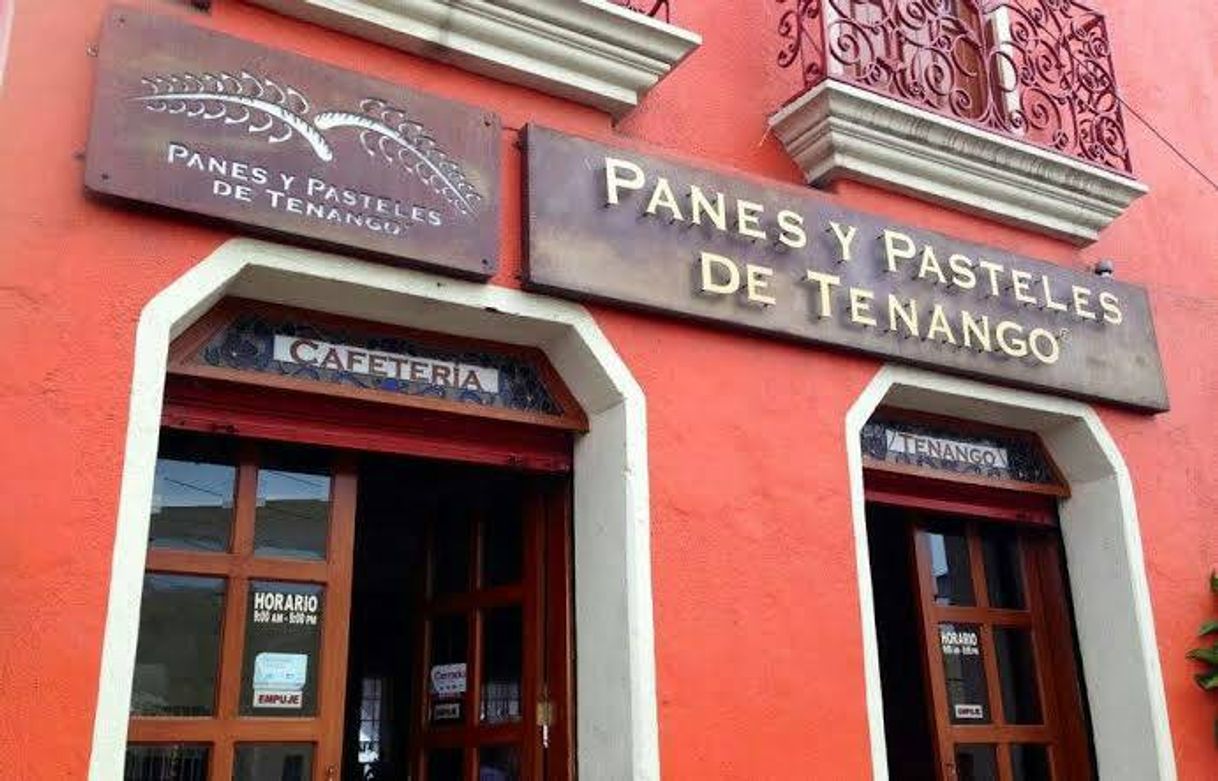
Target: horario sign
x,y
612,224
204,123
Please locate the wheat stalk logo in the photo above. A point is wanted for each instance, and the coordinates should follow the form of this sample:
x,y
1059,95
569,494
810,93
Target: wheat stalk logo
x,y
263,105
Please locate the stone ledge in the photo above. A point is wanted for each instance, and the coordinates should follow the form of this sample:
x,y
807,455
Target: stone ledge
x,y
836,130
588,51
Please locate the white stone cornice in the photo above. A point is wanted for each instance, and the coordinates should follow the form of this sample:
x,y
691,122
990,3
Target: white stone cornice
x,y
589,51
836,130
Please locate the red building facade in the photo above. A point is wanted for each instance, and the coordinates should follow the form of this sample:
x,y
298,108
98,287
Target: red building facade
x,y
706,567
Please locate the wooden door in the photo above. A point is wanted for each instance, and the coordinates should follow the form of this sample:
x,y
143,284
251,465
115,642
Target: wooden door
x,y
494,657
999,652
241,666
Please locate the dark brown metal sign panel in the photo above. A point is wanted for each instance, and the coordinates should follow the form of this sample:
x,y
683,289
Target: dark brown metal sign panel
x,y
195,120
615,225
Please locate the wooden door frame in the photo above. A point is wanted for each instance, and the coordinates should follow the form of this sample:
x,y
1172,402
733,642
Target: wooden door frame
x,y
1067,738
546,599
239,567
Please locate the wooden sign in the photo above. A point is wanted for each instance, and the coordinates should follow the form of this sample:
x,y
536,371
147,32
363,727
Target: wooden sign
x,y
615,225
201,122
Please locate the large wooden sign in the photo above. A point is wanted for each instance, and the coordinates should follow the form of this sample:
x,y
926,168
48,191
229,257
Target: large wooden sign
x,y
198,121
615,225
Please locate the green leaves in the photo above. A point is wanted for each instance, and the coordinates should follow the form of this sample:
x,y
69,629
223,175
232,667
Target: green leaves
x,y
1207,655
1208,680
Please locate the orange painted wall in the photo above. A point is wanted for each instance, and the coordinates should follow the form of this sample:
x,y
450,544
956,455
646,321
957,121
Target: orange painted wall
x,y
757,632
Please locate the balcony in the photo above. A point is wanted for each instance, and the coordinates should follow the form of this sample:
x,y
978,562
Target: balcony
x,y
1007,108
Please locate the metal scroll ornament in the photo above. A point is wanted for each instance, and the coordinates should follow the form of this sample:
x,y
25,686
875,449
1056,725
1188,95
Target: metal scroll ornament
x,y
1036,70
656,9
248,344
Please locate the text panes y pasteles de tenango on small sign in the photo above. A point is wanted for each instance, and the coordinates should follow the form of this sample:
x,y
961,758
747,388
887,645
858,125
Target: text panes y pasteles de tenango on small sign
x,y
615,225
209,124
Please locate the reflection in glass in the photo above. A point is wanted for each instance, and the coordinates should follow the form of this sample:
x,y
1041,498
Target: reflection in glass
x,y
192,505
179,646
292,515
951,578
282,648
976,762
444,764
273,762
165,762
1003,576
450,567
503,645
371,723
968,699
499,763
447,673
1017,675
503,549
1030,762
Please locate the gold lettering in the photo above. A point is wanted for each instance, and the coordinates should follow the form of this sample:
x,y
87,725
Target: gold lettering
x,y
908,315
1015,347
827,282
891,238
962,271
938,323
974,330
994,269
1020,281
1046,356
860,306
663,196
1049,302
1082,297
930,263
699,205
757,280
844,240
710,261
614,168
1112,308
747,219
791,227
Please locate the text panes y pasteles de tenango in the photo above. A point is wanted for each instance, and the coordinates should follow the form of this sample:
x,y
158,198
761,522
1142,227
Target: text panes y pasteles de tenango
x,y
212,125
616,225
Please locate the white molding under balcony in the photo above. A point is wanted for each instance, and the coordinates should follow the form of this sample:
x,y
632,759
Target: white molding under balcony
x,y
588,51
837,130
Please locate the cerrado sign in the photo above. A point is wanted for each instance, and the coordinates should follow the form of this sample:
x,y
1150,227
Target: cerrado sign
x,y
198,121
615,225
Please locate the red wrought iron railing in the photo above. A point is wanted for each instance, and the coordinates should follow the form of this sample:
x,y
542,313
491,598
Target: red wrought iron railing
x,y
657,9
1036,70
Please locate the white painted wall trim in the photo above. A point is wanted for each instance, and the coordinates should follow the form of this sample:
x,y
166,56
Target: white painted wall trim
x,y
589,51
616,726
836,130
1103,554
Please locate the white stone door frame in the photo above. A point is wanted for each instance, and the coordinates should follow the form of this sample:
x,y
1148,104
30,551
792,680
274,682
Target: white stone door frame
x,y
616,728
1103,546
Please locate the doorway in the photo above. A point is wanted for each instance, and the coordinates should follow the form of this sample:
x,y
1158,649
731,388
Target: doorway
x,y
978,655
316,613
451,638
